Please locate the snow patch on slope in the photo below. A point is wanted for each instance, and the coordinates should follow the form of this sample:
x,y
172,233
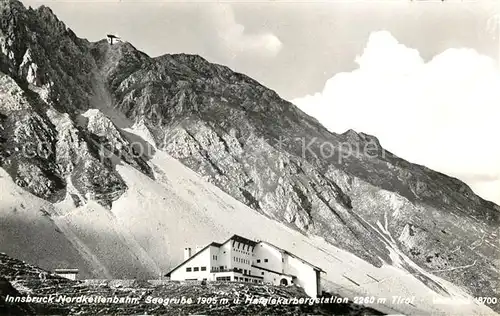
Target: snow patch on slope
x,y
140,129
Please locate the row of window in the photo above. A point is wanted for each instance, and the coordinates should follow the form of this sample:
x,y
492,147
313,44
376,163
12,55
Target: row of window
x,y
221,268
247,280
236,259
196,269
239,244
228,278
242,251
244,271
241,260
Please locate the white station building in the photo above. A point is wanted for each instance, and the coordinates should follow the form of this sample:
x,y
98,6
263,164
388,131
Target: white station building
x,y
244,260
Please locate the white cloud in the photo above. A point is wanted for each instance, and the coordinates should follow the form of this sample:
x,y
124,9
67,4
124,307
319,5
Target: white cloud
x,y
444,113
234,37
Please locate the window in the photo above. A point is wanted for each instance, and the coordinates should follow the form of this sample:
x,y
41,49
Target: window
x,y
223,278
262,273
245,271
265,260
258,260
196,269
203,268
282,259
188,269
246,279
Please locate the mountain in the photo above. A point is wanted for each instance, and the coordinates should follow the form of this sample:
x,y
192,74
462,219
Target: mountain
x,y
112,161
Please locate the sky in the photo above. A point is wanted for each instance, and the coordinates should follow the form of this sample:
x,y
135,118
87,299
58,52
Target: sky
x,y
419,75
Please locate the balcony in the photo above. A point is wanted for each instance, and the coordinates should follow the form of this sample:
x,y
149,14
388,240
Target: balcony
x,y
216,270
236,270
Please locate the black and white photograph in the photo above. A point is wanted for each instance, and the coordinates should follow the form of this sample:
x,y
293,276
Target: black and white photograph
x,y
250,157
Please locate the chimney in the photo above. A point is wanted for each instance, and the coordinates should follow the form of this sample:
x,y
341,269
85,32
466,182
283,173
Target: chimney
x,y
187,253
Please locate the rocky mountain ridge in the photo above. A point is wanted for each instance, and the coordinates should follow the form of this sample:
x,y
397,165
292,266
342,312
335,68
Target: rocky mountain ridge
x,y
238,135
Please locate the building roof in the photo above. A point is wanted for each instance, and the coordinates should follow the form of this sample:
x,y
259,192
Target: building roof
x,y
242,240
215,244
240,271
292,255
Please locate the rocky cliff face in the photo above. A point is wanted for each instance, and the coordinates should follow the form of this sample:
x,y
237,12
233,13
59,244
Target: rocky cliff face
x,y
50,145
239,135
